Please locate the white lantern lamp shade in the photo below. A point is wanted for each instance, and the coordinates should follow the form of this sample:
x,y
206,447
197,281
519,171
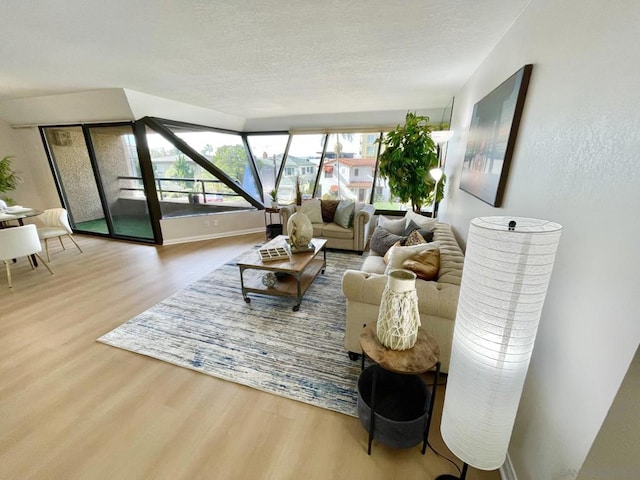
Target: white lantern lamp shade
x,y
436,174
504,282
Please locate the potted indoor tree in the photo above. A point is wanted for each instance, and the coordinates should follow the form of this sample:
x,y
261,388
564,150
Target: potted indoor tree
x,y
409,153
8,179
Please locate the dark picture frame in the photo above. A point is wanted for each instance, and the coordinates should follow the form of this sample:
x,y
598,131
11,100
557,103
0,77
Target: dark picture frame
x,y
492,138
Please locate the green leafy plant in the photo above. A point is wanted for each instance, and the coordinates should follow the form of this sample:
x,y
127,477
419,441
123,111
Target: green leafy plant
x,y
8,178
409,154
273,194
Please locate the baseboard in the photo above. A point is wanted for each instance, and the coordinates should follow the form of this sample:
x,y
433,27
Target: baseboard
x,y
212,236
506,470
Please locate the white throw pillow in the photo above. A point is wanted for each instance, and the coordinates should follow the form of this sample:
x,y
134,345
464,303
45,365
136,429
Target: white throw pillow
x,y
395,226
427,223
398,254
312,209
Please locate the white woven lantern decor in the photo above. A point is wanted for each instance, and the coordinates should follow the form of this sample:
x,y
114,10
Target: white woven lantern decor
x,y
398,318
506,272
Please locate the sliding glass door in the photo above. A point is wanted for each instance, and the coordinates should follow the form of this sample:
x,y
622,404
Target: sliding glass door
x,y
99,179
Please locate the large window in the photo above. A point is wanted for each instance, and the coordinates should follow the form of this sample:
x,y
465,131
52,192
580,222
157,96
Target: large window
x,y
198,169
348,168
382,198
268,152
224,150
301,164
183,186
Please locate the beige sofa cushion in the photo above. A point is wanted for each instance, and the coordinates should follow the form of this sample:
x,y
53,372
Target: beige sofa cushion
x,y
335,231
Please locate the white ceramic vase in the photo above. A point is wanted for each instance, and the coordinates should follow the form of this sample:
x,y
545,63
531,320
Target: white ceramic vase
x,y
399,318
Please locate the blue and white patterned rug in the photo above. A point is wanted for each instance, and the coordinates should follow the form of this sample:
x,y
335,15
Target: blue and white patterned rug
x,y
208,327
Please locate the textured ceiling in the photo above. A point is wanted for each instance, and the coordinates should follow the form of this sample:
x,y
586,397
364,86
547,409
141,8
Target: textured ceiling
x,y
253,58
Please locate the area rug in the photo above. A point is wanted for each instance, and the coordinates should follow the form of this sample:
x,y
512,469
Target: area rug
x,y
208,327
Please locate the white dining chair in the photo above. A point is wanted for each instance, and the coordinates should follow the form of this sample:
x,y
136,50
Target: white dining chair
x,y
17,242
54,223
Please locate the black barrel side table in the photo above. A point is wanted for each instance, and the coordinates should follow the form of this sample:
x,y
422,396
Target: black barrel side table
x,y
391,386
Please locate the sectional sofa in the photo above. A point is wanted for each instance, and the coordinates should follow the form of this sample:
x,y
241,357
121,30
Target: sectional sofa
x,y
437,299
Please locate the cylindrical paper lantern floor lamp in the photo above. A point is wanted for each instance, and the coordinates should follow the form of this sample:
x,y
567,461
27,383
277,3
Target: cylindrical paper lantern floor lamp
x,y
506,273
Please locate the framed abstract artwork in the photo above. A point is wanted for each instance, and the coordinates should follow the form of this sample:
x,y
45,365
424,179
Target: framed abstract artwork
x,y
492,138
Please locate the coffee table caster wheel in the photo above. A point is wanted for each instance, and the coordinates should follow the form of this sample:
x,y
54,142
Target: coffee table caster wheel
x,y
296,308
247,300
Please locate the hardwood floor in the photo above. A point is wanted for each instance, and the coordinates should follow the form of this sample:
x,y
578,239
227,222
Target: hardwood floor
x,y
73,408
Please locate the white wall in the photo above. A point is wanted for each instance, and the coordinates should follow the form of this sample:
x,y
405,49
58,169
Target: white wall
x,y
382,119
614,454
576,163
107,105
203,227
37,189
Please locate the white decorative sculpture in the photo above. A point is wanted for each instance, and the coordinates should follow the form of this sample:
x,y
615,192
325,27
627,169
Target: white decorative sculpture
x,y
399,318
300,230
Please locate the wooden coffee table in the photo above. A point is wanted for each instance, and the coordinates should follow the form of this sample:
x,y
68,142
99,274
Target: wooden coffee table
x,y
294,273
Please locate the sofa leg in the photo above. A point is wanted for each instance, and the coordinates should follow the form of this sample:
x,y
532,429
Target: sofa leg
x,y
354,356
360,252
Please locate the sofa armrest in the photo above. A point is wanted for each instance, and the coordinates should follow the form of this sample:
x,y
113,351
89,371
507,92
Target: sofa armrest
x,y
285,212
436,299
363,225
363,287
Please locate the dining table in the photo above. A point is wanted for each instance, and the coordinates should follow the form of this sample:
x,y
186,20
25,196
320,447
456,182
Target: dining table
x,y
17,213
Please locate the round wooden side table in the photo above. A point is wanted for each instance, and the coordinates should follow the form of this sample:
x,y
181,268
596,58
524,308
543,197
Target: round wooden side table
x,y
423,357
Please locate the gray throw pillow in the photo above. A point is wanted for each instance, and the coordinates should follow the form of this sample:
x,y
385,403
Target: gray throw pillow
x,y
393,225
344,213
382,240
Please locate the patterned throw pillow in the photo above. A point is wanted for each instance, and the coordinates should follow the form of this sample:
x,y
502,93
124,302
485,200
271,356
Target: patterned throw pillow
x,y
414,238
424,264
382,240
344,213
328,209
426,234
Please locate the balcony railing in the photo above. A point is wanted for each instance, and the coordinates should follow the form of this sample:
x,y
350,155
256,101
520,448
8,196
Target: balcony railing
x,y
198,187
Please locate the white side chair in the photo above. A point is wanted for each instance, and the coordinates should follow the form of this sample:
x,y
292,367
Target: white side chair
x,y
19,242
55,223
